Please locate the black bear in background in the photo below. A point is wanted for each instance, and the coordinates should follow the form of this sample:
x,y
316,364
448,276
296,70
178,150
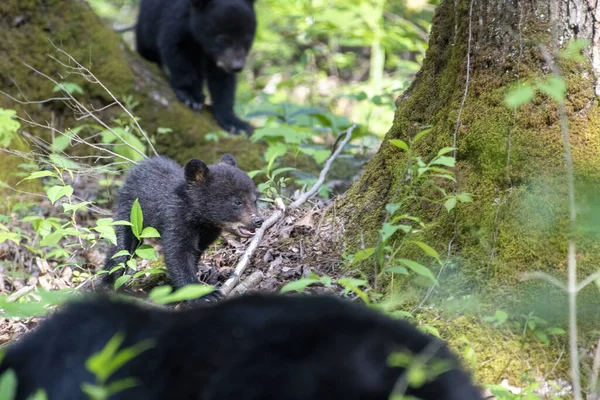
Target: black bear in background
x,y
254,347
197,40
189,207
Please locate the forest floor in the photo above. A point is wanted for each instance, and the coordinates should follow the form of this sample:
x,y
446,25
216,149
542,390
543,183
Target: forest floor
x,y
294,248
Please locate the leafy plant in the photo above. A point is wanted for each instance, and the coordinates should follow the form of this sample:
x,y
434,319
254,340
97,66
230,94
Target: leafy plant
x,y
106,362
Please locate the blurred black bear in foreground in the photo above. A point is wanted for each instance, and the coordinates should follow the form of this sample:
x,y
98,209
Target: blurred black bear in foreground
x,y
189,207
197,40
254,347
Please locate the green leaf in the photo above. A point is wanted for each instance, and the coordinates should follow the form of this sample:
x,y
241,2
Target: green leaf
x,y
106,231
63,162
391,208
416,375
321,155
519,95
276,150
554,87
450,203
387,230
40,174
8,385
189,292
149,232
8,126
397,270
430,329
420,135
108,360
556,331
427,249
418,268
146,251
444,160
136,218
159,293
542,337
131,264
573,50
75,207
14,237
120,254
150,271
56,192
60,143
51,239
401,144
39,395
69,87
363,255
445,150
464,197
121,281
299,285
353,285
278,171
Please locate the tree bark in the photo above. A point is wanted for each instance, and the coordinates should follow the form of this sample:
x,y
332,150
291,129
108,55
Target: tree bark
x,y
512,161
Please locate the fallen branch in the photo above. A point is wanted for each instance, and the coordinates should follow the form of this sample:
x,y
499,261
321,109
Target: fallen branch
x,y
251,282
277,215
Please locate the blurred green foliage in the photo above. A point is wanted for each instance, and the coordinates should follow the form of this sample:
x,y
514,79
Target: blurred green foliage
x,y
351,57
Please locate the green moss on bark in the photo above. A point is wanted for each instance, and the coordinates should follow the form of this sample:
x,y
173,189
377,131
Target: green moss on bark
x,y
513,164
28,30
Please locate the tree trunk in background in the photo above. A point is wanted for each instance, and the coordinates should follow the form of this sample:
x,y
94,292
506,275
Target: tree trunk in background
x,y
511,161
26,29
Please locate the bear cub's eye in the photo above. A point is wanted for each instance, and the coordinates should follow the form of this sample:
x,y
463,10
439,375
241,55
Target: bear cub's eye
x,y
237,203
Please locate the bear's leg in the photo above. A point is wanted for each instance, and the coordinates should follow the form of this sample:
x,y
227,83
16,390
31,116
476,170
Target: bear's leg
x,y
185,76
222,92
181,259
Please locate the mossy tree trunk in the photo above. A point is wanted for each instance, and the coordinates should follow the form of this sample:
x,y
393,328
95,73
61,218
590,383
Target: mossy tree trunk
x,y
29,30
512,161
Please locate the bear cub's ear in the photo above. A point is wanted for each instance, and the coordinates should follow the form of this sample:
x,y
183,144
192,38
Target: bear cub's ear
x,y
228,159
195,171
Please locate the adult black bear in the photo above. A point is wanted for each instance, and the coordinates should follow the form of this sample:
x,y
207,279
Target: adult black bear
x,y
254,347
197,40
189,207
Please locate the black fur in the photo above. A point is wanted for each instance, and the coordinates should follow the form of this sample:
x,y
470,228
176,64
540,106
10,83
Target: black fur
x,y
189,207
254,347
197,41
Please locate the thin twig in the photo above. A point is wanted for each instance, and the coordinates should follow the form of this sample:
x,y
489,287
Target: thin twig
x,y
86,113
572,253
315,188
595,371
113,97
277,215
588,280
544,276
437,278
467,80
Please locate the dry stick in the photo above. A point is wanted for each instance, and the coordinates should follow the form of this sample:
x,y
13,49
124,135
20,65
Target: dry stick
x,y
277,215
306,195
572,286
87,113
252,281
96,80
595,371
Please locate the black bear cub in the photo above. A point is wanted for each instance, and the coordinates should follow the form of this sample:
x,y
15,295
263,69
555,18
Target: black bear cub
x,y
189,207
254,347
196,41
